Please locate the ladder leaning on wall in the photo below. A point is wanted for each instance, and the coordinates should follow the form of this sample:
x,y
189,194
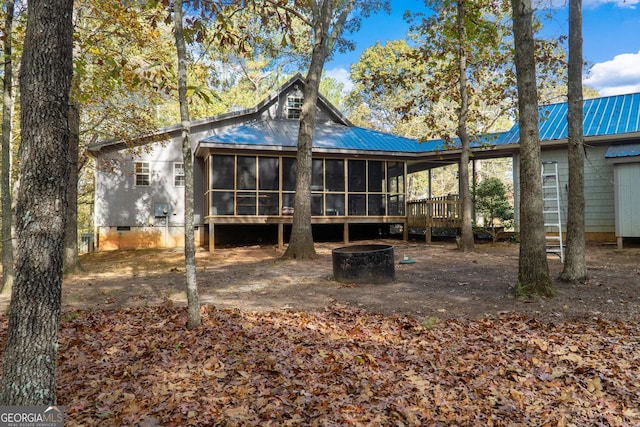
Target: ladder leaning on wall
x,y
551,209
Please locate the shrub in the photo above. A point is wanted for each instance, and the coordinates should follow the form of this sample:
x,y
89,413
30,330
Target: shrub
x,y
492,203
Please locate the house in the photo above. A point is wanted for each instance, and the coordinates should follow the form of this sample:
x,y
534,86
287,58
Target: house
x,y
244,177
244,172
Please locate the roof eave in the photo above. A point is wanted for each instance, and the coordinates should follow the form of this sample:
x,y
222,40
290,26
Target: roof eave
x,y
204,148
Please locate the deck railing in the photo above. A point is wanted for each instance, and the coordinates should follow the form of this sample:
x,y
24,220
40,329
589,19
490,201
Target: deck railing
x,y
443,211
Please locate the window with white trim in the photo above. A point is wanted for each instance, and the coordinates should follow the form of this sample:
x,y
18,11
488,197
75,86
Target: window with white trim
x,y
178,174
294,106
143,174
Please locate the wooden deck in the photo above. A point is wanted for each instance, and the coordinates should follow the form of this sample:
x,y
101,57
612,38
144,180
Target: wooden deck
x,y
443,212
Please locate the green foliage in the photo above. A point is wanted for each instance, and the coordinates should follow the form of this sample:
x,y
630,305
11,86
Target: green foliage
x,y
412,87
430,323
122,59
332,89
533,291
487,49
382,86
524,291
73,315
492,202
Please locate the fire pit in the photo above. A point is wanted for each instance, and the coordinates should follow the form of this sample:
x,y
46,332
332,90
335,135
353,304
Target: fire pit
x,y
364,264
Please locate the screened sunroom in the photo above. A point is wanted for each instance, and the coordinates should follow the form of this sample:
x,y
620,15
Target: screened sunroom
x,y
264,186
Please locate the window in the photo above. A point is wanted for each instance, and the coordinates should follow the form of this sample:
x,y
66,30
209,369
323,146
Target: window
x,y
317,180
289,174
222,171
143,176
246,173
357,176
376,176
334,171
178,174
268,173
395,188
294,107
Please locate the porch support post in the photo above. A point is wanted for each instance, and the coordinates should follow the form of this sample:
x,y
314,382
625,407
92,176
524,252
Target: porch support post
x,y
280,235
474,184
345,232
212,240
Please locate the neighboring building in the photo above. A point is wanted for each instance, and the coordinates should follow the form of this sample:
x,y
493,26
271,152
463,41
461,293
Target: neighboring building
x,y
244,172
612,163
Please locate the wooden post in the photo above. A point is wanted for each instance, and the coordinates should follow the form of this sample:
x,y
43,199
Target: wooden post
x,y
345,233
280,236
212,240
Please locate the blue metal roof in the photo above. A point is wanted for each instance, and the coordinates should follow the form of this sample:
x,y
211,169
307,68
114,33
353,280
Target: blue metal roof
x,y
607,116
333,136
329,135
624,150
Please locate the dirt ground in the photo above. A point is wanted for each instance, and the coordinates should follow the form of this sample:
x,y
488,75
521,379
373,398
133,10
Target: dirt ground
x,y
442,283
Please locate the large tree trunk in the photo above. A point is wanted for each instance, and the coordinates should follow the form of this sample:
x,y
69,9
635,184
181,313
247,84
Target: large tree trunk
x,y
326,28
71,261
575,266
533,272
5,181
29,368
301,240
193,302
466,238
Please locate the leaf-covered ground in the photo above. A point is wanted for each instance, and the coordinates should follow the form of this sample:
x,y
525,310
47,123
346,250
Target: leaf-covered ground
x,y
342,366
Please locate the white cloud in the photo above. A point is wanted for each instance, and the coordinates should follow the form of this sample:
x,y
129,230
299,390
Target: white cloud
x,y
342,75
592,4
620,75
587,4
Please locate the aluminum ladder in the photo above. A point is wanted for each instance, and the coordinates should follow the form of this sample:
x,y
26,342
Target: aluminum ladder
x,y
551,209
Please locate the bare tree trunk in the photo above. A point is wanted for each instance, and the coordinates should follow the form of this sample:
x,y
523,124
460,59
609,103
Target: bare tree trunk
x,y
301,240
466,238
533,272
8,272
327,22
29,367
193,303
575,266
71,262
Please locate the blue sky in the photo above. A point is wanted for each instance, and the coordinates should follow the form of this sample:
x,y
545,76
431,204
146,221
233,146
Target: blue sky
x,y
611,31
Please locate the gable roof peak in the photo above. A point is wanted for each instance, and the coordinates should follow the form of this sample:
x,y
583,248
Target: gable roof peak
x,y
299,79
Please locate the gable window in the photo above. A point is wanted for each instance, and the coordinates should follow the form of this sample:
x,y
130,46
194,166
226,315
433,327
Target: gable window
x,y
143,175
294,106
178,174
